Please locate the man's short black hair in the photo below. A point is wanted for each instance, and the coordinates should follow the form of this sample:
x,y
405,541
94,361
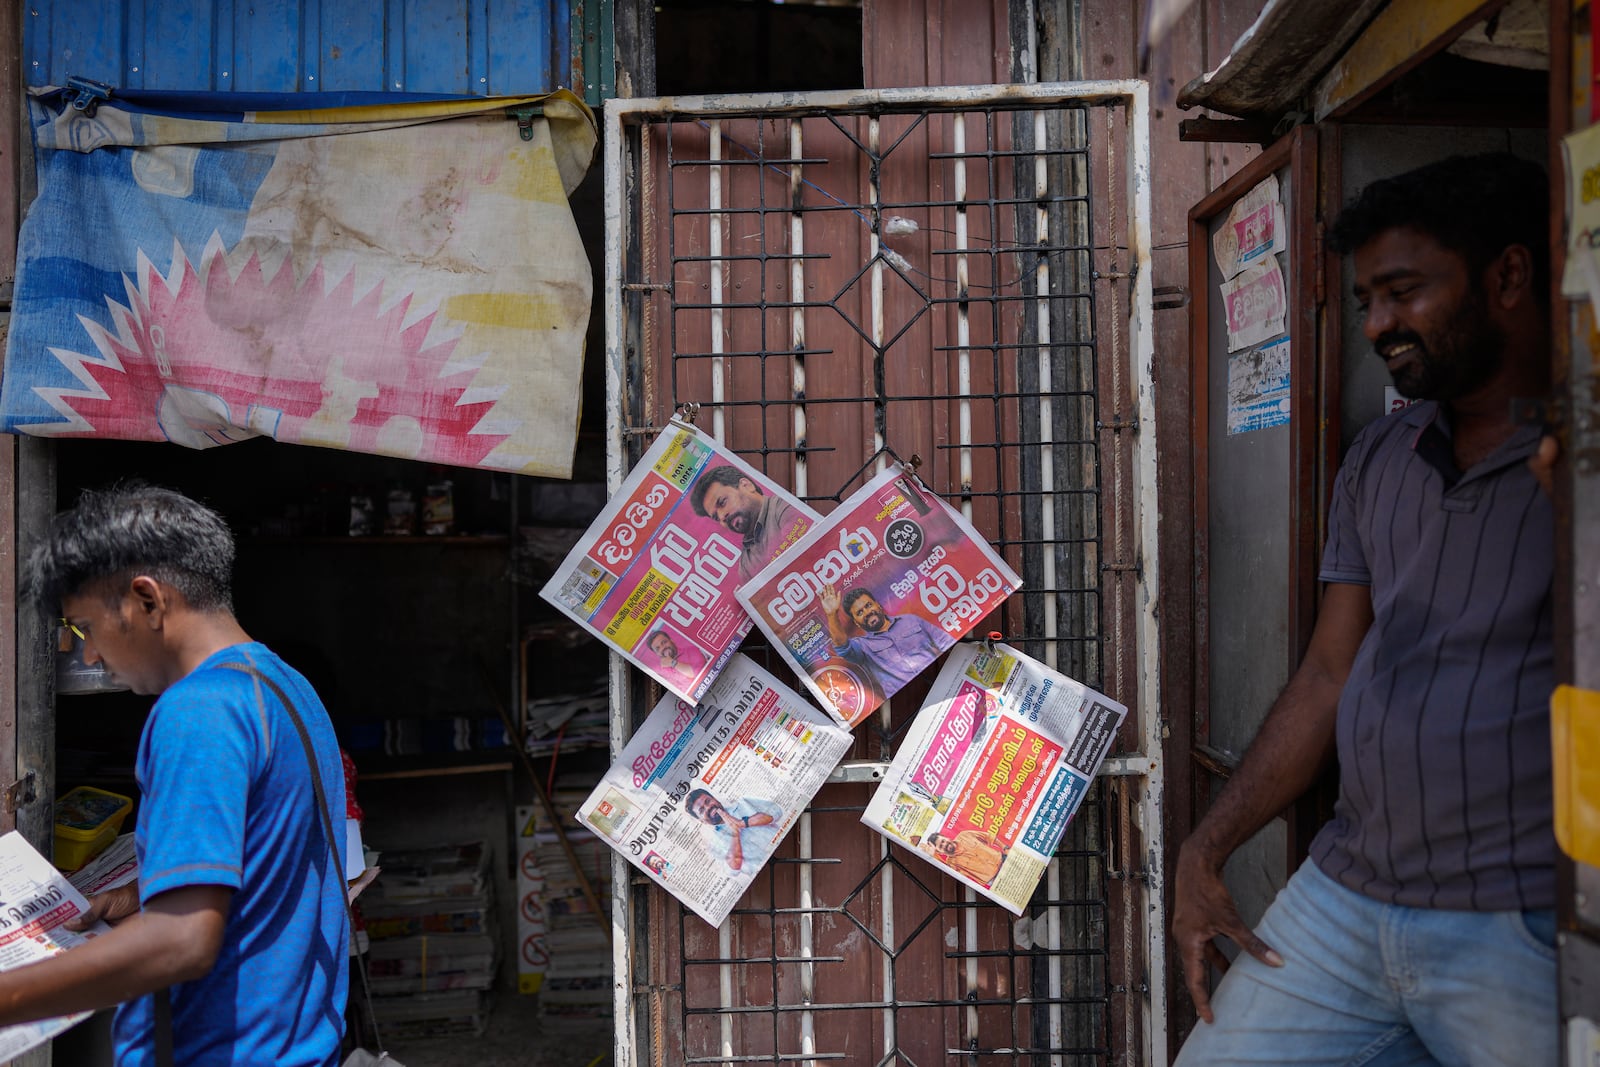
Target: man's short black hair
x,y
113,535
694,798
727,474
856,594
1477,206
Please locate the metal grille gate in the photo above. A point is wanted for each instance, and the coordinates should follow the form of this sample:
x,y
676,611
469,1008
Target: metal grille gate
x,y
845,280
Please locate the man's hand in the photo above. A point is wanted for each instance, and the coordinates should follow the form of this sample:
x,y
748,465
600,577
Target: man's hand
x,y
760,818
1204,910
830,598
112,906
1543,463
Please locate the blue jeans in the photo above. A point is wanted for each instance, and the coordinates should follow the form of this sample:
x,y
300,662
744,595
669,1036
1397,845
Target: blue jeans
x,y
1379,985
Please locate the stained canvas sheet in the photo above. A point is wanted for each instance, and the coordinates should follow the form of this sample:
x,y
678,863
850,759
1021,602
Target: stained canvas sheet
x,y
398,278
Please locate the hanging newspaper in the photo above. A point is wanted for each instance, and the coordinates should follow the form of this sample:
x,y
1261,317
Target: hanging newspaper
x,y
655,574
37,900
993,768
876,592
702,795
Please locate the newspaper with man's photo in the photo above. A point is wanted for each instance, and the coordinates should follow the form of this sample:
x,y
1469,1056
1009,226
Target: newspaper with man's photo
x,y
654,576
702,795
35,901
877,591
993,768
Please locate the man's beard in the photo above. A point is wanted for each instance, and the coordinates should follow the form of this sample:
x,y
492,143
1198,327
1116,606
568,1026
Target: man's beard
x,y
1467,352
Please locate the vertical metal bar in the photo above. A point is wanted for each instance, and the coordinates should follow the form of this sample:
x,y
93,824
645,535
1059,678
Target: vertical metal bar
x,y
958,145
797,386
725,986
1047,466
715,221
1147,587
879,370
616,370
1047,531
808,970
879,424
797,312
963,314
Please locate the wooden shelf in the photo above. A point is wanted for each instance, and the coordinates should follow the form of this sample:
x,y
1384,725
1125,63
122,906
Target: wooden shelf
x,y
429,765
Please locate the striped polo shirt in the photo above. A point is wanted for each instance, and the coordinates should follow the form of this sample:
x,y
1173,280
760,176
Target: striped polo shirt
x,y
1444,723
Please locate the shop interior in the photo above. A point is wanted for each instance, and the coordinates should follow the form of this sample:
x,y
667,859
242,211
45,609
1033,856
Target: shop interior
x,y
432,650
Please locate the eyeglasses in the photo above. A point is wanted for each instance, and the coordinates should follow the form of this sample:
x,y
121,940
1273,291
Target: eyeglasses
x,y
80,632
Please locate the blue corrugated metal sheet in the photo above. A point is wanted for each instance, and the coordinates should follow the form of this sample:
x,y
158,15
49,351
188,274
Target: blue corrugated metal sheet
x,y
477,47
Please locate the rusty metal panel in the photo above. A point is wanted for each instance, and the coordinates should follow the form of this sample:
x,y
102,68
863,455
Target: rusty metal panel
x,y
768,274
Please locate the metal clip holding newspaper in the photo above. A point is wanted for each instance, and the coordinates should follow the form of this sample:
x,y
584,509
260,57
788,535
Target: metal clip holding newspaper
x,y
993,768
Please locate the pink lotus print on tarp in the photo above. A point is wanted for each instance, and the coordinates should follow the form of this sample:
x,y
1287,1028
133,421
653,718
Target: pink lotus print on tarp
x,y
262,353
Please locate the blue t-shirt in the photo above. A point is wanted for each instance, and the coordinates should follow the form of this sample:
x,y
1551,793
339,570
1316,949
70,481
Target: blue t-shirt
x,y
227,800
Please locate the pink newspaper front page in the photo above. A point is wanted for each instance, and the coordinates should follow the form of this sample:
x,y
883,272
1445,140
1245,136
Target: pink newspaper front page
x,y
876,592
655,575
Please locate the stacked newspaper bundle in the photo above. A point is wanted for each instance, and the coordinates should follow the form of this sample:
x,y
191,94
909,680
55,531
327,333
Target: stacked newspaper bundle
x,y
577,985
556,724
434,944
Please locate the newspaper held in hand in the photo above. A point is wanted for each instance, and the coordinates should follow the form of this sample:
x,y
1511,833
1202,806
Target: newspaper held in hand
x,y
993,768
702,795
654,576
877,591
35,901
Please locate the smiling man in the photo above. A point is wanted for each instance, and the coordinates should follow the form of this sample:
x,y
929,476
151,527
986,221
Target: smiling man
x,y
765,524
740,833
238,917
686,663
1421,930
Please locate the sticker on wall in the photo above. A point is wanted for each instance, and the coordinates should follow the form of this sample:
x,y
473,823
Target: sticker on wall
x,y
1255,305
1258,387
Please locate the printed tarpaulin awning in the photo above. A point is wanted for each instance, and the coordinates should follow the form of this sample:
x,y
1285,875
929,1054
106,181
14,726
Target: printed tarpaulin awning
x,y
398,276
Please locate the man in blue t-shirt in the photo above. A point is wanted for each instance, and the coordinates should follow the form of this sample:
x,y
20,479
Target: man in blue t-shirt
x,y
239,912
893,649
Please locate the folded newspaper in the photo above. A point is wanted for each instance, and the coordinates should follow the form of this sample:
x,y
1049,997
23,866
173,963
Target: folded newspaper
x,y
35,900
702,795
993,768
654,576
876,592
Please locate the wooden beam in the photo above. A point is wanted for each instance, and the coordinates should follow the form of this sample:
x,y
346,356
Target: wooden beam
x,y
1403,34
1226,131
